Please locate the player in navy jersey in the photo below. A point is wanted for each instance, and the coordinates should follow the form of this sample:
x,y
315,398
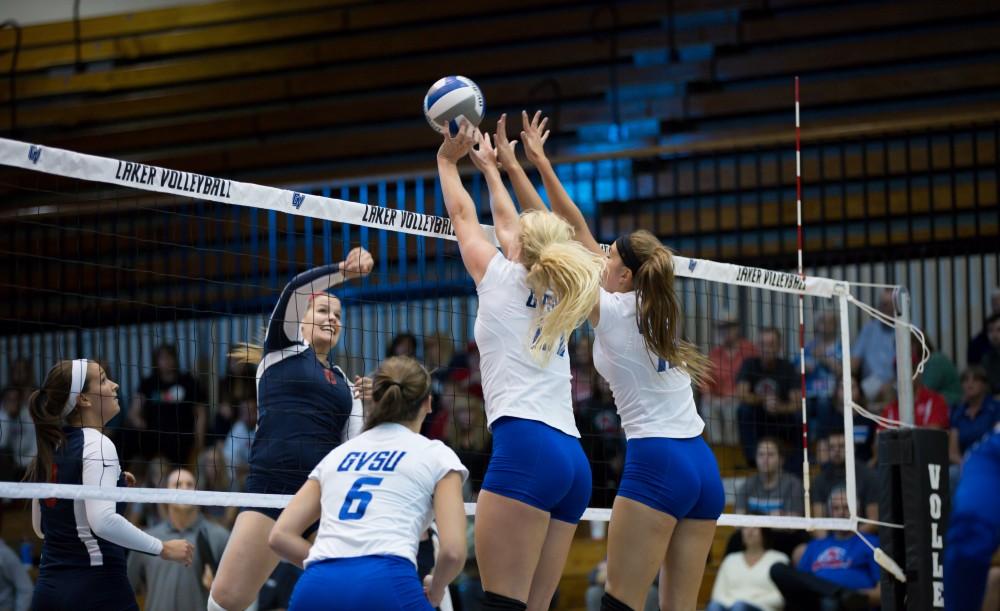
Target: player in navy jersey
x,y
658,521
83,552
306,407
374,495
531,297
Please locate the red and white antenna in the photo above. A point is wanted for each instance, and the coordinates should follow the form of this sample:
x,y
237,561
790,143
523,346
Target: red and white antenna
x,y
802,326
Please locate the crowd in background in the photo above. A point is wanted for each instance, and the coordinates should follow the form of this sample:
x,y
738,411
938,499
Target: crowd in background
x,y
180,432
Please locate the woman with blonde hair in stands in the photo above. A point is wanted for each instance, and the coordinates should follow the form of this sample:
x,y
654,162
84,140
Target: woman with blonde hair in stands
x,y
657,523
306,407
531,297
84,542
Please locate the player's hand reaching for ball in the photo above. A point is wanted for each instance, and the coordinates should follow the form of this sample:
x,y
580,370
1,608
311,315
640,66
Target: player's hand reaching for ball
x,y
534,135
359,262
483,155
363,389
179,551
454,148
506,155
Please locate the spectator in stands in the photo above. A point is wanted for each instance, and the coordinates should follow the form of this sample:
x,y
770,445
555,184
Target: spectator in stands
x,y
238,385
276,593
154,475
438,351
864,427
941,375
770,491
833,474
468,437
17,434
236,448
169,586
980,344
603,441
582,368
718,395
835,572
873,353
166,413
770,400
403,344
929,408
975,416
743,582
595,589
22,376
991,358
213,475
823,356
15,583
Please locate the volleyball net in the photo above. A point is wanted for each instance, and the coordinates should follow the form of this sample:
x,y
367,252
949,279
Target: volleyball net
x,y
159,274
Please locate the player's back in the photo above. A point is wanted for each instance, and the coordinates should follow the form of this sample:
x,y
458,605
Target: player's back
x,y
376,493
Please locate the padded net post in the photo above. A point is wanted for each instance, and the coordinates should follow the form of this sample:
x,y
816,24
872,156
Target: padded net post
x,y
913,472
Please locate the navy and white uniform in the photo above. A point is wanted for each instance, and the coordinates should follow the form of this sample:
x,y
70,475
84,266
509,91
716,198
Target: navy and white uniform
x,y
537,458
305,409
661,423
83,553
376,499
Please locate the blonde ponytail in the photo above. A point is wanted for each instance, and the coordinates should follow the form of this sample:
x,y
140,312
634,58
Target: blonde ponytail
x,y
558,264
247,353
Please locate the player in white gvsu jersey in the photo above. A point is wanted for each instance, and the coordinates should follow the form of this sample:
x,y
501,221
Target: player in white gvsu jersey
x,y
671,493
374,495
531,297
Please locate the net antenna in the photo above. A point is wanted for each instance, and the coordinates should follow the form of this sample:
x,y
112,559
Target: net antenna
x,y
802,325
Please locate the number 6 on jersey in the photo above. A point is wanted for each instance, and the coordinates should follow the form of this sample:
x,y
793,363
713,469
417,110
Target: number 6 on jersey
x,y
357,494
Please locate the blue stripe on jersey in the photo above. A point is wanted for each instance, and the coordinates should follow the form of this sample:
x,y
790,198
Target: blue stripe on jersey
x,y
451,84
69,542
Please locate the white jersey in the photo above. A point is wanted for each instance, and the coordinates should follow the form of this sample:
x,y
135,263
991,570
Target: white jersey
x,y
653,398
513,383
376,492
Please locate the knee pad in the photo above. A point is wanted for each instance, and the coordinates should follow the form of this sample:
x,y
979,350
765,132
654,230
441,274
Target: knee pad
x,y
496,602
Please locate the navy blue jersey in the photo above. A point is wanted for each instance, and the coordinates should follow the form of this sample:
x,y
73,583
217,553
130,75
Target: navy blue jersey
x,y
304,406
70,527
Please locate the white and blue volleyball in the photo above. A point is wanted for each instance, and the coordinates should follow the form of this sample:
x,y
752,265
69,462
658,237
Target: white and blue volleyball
x,y
451,99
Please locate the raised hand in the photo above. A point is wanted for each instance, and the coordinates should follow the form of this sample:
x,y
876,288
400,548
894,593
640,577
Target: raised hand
x,y
534,136
506,156
358,262
483,155
454,148
363,389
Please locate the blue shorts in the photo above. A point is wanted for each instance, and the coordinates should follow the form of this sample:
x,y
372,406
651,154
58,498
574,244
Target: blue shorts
x,y
679,477
540,466
94,588
375,583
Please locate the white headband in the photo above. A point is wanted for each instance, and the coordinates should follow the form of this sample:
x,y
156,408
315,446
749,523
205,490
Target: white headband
x,y
79,368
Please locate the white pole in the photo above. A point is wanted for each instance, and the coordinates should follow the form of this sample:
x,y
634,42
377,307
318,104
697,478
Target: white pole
x,y
904,362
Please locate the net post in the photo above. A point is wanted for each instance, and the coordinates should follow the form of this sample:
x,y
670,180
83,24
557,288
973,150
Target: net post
x,y
850,476
904,362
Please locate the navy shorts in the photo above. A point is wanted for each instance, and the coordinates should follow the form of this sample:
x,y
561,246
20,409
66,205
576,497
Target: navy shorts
x,y
262,485
94,588
375,583
679,477
540,466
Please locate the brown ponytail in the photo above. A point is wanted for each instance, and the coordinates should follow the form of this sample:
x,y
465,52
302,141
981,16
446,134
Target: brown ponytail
x,y
247,353
46,407
399,387
658,310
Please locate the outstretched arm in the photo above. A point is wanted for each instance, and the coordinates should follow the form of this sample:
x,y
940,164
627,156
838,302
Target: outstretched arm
x,y
283,329
534,136
477,251
527,197
505,219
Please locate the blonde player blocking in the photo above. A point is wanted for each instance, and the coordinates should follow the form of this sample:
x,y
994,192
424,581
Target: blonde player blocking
x,y
657,522
531,297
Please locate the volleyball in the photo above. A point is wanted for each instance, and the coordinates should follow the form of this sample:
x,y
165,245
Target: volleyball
x,y
451,99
